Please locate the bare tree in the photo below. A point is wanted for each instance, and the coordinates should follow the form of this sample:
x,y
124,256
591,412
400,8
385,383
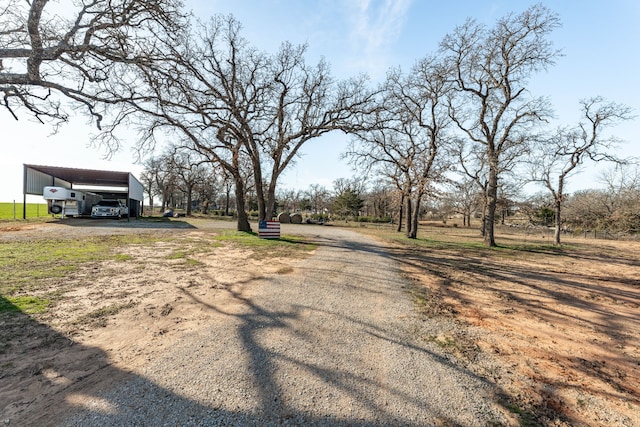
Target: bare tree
x,y
538,209
615,208
561,156
291,200
166,182
490,69
149,178
203,91
404,142
590,209
356,185
380,199
300,103
227,184
464,198
190,169
241,108
51,51
622,184
209,188
319,198
472,166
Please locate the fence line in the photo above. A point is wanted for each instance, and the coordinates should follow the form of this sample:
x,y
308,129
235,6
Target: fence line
x,y
14,210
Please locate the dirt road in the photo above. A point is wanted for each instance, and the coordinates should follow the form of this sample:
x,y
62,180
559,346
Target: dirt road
x,y
335,341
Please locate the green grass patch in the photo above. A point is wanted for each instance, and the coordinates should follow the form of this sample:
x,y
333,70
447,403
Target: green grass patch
x,y
24,303
286,245
177,255
29,267
526,418
242,237
194,262
252,240
185,255
470,243
190,247
15,211
122,257
24,263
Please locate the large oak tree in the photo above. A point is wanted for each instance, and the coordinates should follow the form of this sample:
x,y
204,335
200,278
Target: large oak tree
x,y
406,136
490,69
242,108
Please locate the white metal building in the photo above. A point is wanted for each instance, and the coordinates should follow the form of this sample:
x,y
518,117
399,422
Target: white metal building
x,y
109,184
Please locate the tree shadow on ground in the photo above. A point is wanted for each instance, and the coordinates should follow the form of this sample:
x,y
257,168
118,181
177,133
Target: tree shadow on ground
x,y
67,391
76,385
549,296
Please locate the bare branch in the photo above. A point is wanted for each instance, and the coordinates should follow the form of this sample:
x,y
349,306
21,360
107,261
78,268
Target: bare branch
x,y
51,53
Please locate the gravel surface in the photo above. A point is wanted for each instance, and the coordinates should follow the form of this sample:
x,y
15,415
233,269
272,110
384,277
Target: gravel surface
x,y
337,342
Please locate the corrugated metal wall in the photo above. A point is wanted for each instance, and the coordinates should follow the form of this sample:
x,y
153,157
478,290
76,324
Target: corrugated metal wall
x,y
136,189
35,181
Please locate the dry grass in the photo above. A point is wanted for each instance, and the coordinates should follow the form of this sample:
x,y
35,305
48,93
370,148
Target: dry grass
x,y
561,324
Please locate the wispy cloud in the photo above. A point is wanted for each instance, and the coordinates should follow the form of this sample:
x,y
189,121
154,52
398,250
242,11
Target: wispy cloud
x,y
375,27
378,22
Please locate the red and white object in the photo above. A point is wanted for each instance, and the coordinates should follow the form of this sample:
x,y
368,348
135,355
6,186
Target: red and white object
x,y
269,229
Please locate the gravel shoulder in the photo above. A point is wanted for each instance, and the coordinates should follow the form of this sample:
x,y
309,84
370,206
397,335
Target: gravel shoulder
x,y
336,341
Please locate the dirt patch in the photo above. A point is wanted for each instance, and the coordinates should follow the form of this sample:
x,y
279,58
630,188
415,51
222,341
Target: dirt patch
x,y
561,326
558,330
113,317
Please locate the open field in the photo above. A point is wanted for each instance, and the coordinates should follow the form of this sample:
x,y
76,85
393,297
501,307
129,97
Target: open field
x,y
564,323
15,210
556,329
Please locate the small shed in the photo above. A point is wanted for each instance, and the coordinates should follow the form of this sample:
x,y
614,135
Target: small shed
x,y
109,184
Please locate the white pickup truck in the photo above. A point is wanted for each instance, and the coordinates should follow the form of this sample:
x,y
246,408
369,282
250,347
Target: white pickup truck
x,y
109,209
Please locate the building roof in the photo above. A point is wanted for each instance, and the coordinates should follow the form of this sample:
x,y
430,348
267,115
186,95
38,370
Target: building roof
x,y
36,177
85,176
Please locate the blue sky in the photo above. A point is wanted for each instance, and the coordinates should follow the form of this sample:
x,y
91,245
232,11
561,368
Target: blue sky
x,y
600,42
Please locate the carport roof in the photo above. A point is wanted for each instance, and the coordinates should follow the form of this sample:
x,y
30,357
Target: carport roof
x,y
85,176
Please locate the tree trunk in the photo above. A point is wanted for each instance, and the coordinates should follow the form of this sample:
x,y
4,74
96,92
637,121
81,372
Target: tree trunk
x,y
556,232
409,215
243,218
227,199
189,199
558,202
257,177
483,228
492,198
271,202
401,213
415,218
163,207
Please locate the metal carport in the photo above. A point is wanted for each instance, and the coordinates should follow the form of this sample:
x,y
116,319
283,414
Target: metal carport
x,y
121,184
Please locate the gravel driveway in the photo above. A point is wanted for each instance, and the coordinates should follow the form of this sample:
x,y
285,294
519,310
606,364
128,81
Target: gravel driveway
x,y
337,342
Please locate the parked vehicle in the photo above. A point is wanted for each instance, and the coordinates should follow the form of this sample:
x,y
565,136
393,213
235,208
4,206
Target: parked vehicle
x,y
109,209
69,202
